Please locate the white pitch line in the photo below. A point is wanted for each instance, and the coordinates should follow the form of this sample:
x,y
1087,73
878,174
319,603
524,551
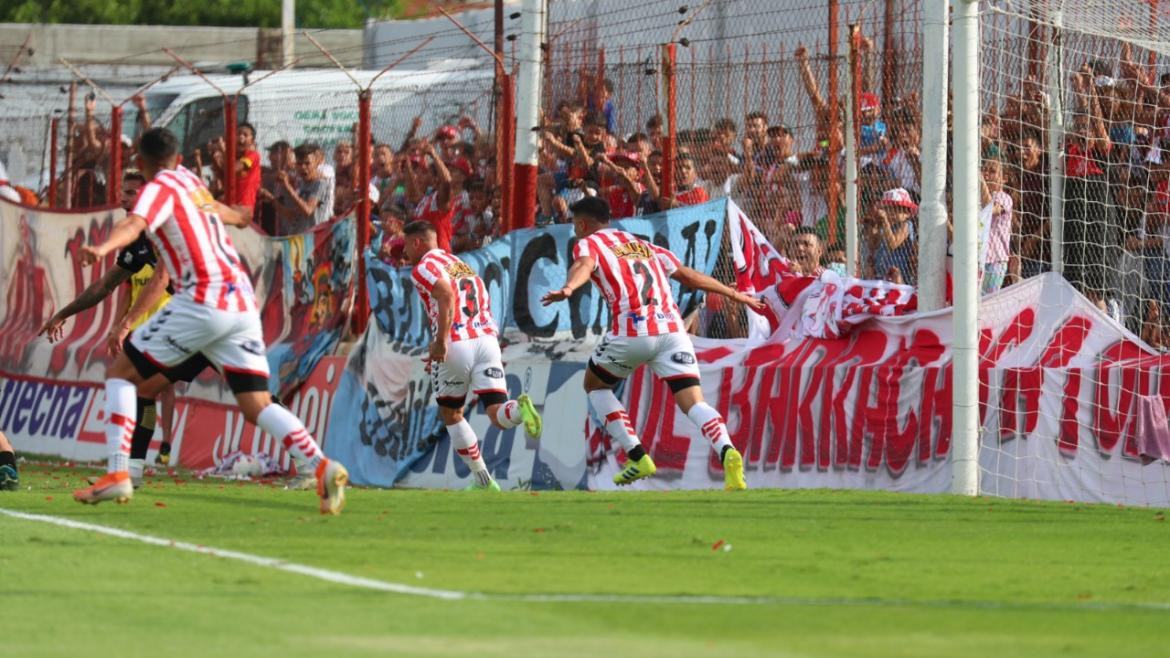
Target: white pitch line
x,y
340,578
258,560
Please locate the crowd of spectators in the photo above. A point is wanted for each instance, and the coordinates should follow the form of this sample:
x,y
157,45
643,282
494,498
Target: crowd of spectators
x,y
1116,205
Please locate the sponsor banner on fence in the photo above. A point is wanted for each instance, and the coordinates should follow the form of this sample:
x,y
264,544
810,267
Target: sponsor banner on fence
x,y
303,283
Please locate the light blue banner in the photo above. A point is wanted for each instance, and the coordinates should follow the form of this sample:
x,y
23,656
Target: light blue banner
x,y
531,262
384,419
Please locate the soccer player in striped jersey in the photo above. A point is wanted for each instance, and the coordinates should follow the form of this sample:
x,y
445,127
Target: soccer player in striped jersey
x,y
213,312
465,352
647,328
136,264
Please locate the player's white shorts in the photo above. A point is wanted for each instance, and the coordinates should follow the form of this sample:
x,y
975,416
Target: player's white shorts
x,y
232,341
471,365
670,356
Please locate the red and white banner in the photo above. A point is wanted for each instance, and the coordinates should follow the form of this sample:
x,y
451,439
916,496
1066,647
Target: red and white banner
x,y
823,306
51,395
1072,404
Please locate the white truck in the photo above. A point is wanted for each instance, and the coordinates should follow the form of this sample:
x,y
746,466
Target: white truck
x,y
321,106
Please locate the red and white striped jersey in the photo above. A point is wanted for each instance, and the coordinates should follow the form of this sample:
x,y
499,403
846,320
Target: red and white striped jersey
x,y
634,275
472,315
192,243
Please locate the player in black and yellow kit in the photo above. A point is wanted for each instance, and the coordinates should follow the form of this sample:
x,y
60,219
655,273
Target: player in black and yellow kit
x,y
136,266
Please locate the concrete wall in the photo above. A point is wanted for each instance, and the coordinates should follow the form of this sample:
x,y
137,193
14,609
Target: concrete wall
x,y
143,44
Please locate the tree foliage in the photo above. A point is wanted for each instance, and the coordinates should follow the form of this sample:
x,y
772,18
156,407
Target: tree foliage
x,y
230,13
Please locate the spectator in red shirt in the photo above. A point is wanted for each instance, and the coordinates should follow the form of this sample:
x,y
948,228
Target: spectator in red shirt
x,y
688,192
247,167
621,170
438,207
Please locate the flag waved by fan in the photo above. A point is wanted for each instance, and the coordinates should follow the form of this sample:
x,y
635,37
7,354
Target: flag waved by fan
x,y
820,305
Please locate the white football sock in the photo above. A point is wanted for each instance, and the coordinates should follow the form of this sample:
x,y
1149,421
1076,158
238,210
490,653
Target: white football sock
x,y
613,414
467,447
121,408
711,424
282,423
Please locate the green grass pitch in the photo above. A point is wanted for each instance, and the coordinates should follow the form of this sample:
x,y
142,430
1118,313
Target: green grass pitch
x,y
840,573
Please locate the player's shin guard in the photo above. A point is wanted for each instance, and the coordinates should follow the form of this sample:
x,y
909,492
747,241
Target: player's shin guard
x,y
280,422
617,421
711,424
120,408
467,447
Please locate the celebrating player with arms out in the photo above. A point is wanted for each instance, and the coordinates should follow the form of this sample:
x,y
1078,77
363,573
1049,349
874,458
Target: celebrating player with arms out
x,y
465,353
213,313
634,276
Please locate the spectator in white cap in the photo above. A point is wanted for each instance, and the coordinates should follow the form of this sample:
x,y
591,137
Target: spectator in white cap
x,y
891,238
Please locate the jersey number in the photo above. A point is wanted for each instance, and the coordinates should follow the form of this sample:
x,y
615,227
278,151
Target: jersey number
x,y
643,271
470,295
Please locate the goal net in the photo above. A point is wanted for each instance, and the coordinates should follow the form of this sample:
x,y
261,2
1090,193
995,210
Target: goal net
x,y
1075,250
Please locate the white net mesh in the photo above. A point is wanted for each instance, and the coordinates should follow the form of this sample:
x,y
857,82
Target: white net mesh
x,y
1077,244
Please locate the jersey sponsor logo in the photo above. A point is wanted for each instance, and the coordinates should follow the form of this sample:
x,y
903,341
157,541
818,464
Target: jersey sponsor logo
x,y
633,251
494,373
459,270
684,358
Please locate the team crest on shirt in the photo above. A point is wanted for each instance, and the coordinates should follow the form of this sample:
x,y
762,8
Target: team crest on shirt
x,y
633,251
459,270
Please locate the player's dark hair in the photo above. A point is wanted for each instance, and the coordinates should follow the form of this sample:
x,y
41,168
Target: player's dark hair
x,y
305,150
134,175
807,230
419,227
592,207
158,145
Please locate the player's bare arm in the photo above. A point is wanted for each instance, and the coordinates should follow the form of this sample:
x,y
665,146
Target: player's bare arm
x,y
125,232
698,281
233,215
151,293
90,297
578,276
444,296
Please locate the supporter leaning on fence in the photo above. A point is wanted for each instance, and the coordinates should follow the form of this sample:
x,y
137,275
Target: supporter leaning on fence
x,y
300,208
891,238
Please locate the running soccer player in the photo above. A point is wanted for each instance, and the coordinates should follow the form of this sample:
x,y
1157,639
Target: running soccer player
x,y
136,264
465,352
634,276
213,312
